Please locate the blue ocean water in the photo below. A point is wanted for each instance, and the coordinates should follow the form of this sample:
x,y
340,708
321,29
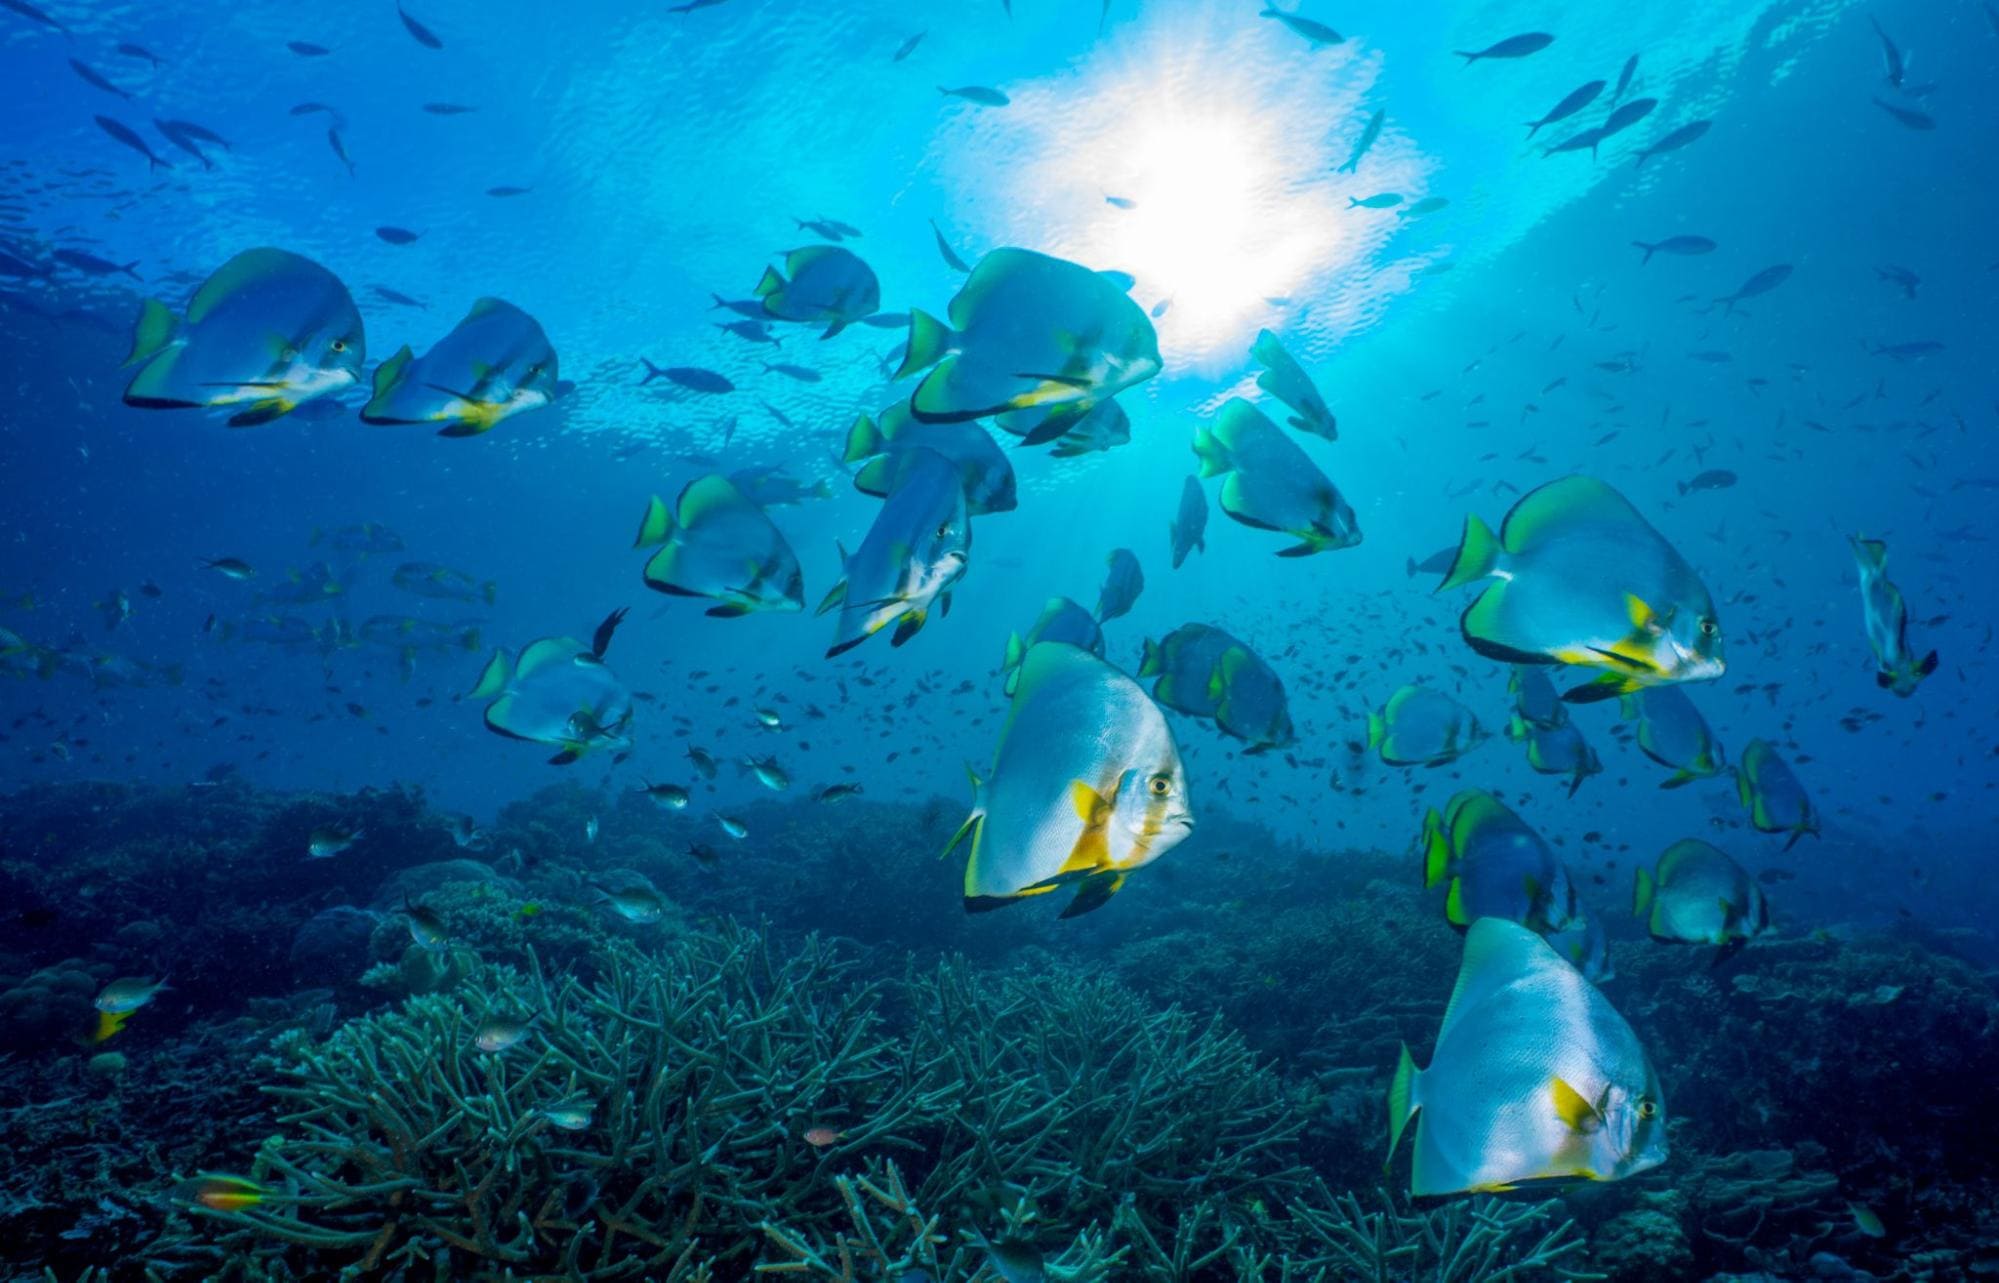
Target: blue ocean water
x,y
659,160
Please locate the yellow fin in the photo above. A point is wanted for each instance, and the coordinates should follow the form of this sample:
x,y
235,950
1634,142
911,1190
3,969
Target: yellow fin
x,y
108,1023
1641,615
1091,851
1578,1113
1454,904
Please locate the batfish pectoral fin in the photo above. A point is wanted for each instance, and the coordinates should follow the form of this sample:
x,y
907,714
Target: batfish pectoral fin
x,y
261,412
908,626
1094,893
1573,1108
1598,689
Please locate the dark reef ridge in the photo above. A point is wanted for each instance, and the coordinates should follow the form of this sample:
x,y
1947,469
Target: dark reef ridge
x,y
814,1060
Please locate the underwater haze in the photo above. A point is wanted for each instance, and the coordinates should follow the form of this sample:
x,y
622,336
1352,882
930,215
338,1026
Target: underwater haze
x,y
1445,538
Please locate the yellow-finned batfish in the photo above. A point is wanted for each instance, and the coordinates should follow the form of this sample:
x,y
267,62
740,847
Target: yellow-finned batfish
x,y
1204,672
1272,483
1124,580
918,547
1492,864
1029,332
820,284
1534,697
1586,947
1062,620
268,332
715,543
1535,1078
1556,750
1086,786
1423,727
1672,732
1699,895
881,443
1190,523
558,693
1896,667
1286,380
1771,793
1104,426
1585,580
494,364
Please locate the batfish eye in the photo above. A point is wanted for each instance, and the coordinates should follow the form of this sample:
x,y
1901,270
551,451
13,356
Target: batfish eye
x,y
944,530
1708,628
1160,785
1648,1108
340,345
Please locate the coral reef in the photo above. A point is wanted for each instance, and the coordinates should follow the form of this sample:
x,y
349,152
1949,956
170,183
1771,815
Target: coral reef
x,y
725,1086
1477,1240
1178,1089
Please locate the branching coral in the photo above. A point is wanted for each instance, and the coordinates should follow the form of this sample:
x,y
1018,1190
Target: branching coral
x,y
700,1071
1479,1240
890,1238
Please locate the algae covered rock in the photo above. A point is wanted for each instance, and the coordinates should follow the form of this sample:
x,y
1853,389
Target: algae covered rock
x,y
1644,1245
49,1008
333,944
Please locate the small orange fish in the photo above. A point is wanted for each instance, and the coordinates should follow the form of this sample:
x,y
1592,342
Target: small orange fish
x,y
822,1136
220,1193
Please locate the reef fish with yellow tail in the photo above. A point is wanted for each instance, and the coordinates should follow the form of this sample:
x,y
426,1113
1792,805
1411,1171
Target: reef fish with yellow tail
x,y
1086,786
1029,332
219,1192
443,583
1535,1077
1583,579
266,333
493,365
1896,667
117,1001
1272,483
918,547
715,543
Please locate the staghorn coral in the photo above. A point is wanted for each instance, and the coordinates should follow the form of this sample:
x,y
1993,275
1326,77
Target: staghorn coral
x,y
890,1238
707,1063
1477,1240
